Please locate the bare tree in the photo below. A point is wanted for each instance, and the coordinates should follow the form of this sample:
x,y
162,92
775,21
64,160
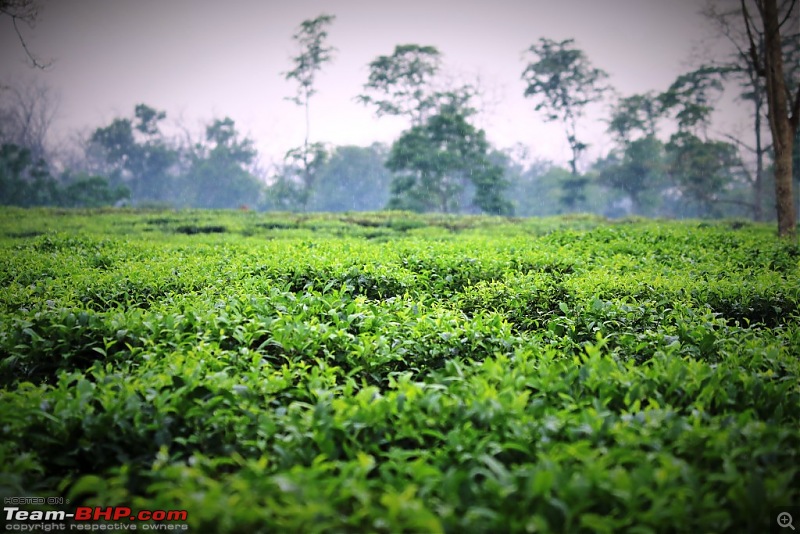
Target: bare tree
x,y
27,12
783,101
26,116
726,19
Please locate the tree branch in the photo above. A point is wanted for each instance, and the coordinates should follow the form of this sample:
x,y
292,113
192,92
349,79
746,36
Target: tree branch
x,y
753,54
788,13
737,141
725,27
34,60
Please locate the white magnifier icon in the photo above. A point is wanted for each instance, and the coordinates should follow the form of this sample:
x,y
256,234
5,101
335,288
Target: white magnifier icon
x,y
785,520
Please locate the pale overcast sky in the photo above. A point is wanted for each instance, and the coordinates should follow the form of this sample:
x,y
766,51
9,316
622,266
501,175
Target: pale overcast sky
x,y
201,59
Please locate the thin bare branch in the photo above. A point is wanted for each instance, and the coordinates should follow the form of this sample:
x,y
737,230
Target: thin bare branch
x,y
28,17
738,142
753,54
788,13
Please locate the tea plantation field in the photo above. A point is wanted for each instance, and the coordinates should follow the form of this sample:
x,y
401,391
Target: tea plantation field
x,y
391,372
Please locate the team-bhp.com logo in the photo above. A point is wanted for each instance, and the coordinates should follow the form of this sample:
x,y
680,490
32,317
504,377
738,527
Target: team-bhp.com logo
x,y
94,518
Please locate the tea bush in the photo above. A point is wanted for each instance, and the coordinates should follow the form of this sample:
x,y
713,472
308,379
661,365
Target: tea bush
x,y
393,372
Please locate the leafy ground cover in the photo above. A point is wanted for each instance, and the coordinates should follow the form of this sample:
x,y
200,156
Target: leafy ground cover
x,y
392,372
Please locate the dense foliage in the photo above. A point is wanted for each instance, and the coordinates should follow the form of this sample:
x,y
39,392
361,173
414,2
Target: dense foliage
x,y
27,181
392,372
437,163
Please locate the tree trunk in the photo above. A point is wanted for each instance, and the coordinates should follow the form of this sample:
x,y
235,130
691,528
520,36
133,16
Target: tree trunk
x,y
573,163
783,128
635,203
758,186
443,208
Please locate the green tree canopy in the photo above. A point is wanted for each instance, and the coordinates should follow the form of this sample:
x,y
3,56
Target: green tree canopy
x,y
138,155
25,180
701,170
401,84
219,175
91,192
692,96
353,179
635,116
438,162
310,37
295,182
640,173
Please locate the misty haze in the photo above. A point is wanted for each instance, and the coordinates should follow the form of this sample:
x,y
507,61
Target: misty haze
x,y
174,106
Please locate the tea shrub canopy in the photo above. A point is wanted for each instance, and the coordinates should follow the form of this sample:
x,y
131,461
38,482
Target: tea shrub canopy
x,y
393,372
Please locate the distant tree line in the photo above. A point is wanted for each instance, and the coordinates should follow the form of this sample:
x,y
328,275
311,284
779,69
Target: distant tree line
x,y
667,159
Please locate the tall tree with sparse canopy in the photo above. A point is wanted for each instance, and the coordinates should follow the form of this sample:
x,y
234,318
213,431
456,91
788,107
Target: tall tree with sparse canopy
x,y
563,82
313,55
783,102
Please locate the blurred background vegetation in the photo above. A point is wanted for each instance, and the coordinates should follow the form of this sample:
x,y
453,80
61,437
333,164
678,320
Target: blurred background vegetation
x,y
666,159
